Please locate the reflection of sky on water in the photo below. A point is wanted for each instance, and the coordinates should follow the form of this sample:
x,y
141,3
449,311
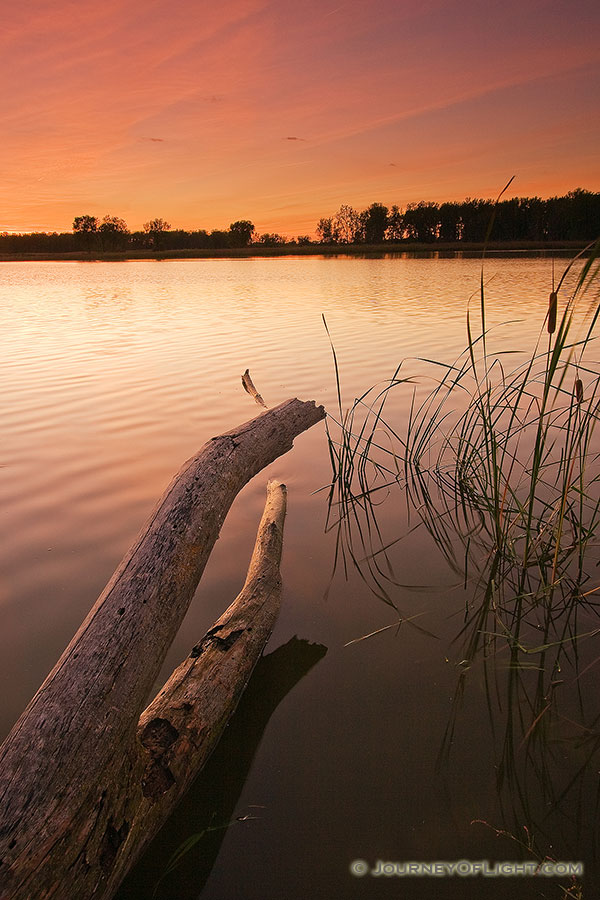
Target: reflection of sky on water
x,y
112,374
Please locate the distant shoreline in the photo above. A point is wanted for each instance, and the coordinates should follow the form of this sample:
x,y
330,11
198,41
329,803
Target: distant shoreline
x,y
358,250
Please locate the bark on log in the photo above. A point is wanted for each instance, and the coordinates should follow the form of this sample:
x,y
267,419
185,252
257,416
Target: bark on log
x,y
71,770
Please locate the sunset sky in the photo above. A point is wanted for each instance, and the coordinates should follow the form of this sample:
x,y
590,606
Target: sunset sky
x,y
204,112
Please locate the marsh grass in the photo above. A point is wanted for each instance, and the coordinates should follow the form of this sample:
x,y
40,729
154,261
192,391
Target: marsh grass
x,y
499,463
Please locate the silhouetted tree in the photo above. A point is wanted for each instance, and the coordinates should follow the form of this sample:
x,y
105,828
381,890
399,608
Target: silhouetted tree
x,y
346,225
113,225
395,227
421,221
534,211
374,222
475,217
576,216
114,233
155,230
241,233
449,218
85,229
324,230
156,225
85,224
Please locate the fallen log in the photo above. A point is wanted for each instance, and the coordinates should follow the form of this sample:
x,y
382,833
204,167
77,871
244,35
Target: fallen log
x,y
181,726
74,769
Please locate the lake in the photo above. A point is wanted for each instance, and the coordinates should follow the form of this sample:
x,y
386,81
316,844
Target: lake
x,y
112,375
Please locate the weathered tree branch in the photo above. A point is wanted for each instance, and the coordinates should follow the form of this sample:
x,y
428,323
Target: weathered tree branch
x,y
71,770
179,729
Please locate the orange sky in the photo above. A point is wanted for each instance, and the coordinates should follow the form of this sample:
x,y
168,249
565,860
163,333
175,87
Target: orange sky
x,y
204,112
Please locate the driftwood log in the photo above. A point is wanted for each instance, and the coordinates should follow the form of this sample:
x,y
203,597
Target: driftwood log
x,y
84,782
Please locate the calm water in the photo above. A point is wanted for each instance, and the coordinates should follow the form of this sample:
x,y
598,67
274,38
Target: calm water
x,y
113,374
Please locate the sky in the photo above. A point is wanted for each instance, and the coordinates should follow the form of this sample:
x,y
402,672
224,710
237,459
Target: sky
x,y
202,112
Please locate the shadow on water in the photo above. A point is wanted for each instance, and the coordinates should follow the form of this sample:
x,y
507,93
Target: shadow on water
x,y
202,818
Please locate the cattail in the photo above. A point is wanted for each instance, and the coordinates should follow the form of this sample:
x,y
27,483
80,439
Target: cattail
x,y
579,390
552,307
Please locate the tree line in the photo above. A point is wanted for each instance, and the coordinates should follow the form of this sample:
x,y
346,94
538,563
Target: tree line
x,y
572,217
111,234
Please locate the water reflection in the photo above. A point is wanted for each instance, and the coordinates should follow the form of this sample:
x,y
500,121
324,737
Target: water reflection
x,y
536,681
498,468
111,376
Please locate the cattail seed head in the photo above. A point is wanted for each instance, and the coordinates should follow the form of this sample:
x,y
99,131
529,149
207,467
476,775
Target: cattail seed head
x,y
552,307
579,390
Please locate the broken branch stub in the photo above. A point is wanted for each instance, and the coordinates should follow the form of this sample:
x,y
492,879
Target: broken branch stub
x,y
248,385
